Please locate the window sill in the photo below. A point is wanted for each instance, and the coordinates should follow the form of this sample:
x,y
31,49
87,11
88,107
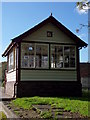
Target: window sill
x,y
57,69
12,70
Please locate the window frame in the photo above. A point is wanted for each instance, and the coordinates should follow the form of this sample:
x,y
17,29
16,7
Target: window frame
x,y
49,34
55,53
66,68
49,56
34,55
11,63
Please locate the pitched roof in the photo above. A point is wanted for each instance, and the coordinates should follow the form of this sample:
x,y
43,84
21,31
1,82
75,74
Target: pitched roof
x,y
52,20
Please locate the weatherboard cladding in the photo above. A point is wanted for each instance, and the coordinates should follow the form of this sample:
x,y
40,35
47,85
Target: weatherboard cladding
x,y
41,35
48,75
11,76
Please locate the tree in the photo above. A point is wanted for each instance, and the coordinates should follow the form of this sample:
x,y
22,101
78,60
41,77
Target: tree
x,y
83,7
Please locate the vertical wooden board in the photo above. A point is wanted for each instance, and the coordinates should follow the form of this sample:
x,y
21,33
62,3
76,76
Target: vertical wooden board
x,y
11,76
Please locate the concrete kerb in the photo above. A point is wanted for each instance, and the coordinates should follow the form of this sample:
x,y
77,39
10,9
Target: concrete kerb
x,y
8,112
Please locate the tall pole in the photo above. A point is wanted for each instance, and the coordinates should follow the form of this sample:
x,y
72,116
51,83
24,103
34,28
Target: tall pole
x,y
89,35
88,48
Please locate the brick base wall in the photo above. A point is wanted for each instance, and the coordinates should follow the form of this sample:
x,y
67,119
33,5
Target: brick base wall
x,y
49,88
9,89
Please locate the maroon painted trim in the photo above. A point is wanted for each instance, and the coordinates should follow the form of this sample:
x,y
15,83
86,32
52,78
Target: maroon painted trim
x,y
48,69
78,66
49,81
48,43
7,62
52,20
16,63
8,49
19,61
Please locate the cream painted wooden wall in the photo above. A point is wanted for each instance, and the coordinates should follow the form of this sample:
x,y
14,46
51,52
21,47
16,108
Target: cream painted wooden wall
x,y
41,35
11,76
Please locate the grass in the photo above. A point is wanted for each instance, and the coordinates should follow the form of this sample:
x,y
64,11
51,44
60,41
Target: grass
x,y
46,115
72,104
17,113
2,115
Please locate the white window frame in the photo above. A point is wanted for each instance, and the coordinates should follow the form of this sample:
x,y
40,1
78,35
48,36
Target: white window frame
x,y
49,53
63,56
34,67
11,61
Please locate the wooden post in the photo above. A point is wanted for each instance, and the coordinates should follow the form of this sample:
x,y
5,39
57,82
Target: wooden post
x,y
78,65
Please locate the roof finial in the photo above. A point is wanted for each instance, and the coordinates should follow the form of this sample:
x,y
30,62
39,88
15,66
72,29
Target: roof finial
x,y
51,13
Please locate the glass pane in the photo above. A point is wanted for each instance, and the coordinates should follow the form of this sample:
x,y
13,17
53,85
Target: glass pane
x,y
72,56
11,65
34,55
41,56
56,56
27,55
66,56
38,56
69,56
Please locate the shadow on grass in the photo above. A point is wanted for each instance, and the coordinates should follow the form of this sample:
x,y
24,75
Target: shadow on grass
x,y
85,96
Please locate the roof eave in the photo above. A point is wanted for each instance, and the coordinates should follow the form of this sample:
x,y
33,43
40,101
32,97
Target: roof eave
x,y
51,19
79,42
8,49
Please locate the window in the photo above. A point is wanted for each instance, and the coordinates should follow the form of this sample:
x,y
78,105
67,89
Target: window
x,y
34,55
10,65
69,56
56,56
27,55
62,56
41,56
49,34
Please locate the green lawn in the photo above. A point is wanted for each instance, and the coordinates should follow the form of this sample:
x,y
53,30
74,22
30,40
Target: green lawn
x,y
73,104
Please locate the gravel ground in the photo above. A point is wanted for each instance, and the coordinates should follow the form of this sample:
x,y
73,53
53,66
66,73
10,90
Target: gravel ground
x,y
37,109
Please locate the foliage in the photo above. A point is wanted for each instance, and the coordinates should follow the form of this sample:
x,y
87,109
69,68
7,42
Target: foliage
x,y
2,115
83,5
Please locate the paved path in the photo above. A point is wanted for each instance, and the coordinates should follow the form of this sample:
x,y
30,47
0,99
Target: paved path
x,y
2,93
3,108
